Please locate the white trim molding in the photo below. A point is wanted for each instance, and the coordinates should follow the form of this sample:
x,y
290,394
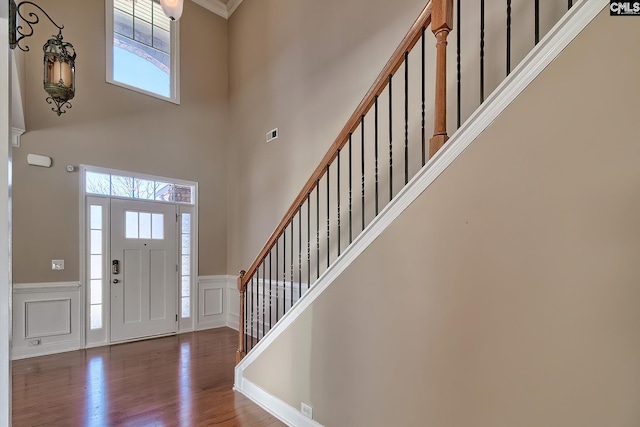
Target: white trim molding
x,y
558,38
29,288
16,135
215,305
276,407
46,318
219,7
232,5
17,109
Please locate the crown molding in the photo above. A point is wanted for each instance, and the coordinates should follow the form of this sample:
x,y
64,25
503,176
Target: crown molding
x,y
218,7
232,5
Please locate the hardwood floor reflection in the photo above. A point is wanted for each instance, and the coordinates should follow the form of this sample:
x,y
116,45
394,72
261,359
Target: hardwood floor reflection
x,y
184,380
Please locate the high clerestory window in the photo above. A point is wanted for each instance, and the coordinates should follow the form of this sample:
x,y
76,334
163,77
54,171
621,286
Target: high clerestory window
x,y
142,48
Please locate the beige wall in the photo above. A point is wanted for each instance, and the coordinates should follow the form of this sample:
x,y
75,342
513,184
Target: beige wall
x,y
509,292
301,66
113,127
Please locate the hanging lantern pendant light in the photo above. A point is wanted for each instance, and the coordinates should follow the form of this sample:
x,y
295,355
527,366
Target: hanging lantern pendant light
x,y
59,73
59,56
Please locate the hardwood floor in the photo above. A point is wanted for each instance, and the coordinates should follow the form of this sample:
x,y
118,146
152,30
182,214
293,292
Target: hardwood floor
x,y
184,380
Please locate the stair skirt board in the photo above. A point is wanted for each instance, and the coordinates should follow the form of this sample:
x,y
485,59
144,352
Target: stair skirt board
x,y
549,48
276,407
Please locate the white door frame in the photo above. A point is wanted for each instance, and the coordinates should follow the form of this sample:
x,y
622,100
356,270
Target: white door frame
x,y
5,218
185,324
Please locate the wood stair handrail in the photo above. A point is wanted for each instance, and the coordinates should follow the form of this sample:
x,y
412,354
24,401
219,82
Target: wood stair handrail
x,y
396,60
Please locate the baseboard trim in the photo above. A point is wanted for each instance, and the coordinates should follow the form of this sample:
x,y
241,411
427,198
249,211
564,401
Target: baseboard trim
x,y
233,321
44,350
558,38
276,407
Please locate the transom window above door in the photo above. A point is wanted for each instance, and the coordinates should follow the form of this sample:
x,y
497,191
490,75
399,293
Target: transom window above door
x,y
161,190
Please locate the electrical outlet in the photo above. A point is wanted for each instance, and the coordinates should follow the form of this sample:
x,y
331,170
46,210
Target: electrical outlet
x,y
57,264
307,410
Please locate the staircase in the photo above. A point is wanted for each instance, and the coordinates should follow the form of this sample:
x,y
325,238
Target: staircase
x,y
395,144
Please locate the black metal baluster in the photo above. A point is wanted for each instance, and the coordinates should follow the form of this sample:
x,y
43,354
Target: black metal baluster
x,y
376,150
390,137
406,118
537,24
481,51
248,325
308,240
299,251
338,195
284,270
459,62
508,37
328,218
270,289
362,163
350,190
245,322
317,229
423,85
264,294
291,282
570,4
255,303
277,286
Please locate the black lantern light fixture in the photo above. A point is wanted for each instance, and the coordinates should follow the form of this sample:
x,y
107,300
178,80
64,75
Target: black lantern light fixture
x,y
59,56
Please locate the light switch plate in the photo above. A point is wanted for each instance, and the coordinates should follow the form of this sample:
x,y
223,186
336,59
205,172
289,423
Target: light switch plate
x,y
57,264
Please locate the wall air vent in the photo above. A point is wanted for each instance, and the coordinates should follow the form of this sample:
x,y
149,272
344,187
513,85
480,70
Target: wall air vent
x,y
272,134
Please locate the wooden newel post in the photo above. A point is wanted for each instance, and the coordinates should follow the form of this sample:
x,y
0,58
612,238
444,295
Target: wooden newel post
x,y
441,25
241,350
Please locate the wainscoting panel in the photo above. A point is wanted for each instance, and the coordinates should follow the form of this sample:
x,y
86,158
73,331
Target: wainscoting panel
x,y
46,318
213,303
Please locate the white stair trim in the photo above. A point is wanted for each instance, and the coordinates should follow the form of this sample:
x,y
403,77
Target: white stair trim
x,y
558,38
276,407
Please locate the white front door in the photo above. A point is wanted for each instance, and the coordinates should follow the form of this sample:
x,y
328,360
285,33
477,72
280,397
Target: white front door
x,y
143,269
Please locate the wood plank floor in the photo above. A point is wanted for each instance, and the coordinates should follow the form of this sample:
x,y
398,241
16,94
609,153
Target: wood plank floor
x,y
184,380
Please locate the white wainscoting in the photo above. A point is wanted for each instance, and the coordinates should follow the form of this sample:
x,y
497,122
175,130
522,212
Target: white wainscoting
x,y
46,318
215,304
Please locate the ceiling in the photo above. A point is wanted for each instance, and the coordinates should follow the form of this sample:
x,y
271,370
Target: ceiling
x,y
223,8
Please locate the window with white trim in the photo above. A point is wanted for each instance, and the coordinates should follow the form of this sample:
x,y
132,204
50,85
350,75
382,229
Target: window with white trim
x,y
96,270
129,186
142,48
185,265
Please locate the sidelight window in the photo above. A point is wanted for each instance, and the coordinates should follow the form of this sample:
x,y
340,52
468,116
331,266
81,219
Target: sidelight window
x,y
96,271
